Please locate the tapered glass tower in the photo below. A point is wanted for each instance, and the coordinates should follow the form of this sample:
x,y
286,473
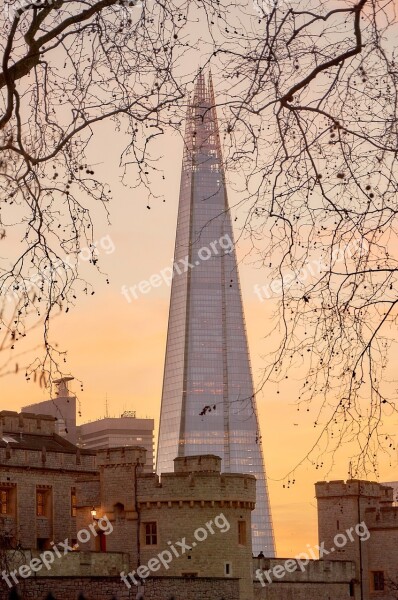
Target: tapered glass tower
x,y
208,404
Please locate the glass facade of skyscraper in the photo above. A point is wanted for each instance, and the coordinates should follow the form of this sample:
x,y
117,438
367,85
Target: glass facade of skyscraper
x,y
208,403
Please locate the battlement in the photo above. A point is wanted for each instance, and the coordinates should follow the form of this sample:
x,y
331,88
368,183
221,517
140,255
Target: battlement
x,y
131,455
29,440
199,463
42,458
315,571
200,486
354,487
25,422
384,517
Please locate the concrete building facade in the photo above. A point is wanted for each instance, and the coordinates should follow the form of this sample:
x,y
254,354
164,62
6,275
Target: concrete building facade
x,y
108,432
113,432
62,408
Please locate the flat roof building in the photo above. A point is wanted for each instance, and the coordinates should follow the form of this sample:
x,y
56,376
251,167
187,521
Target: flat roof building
x,y
126,430
107,432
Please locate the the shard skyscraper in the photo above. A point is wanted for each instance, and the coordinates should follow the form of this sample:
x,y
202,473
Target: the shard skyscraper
x,y
208,404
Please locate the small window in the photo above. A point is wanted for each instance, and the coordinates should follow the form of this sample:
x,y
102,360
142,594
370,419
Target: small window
x,y
352,589
227,569
119,511
242,533
43,502
338,525
43,544
73,502
378,581
40,504
4,502
151,533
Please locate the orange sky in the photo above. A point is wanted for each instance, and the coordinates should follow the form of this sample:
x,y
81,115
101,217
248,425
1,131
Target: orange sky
x,y
117,348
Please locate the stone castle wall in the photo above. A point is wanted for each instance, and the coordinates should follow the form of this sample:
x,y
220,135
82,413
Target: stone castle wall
x,y
342,506
23,523
110,588
316,580
188,504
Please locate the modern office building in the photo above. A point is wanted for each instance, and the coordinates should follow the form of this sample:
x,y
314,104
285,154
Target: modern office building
x,y
208,402
112,432
108,432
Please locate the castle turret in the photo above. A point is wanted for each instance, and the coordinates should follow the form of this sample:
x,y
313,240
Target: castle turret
x,y
197,521
357,521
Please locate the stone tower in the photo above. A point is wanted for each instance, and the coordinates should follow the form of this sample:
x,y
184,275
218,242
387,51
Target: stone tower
x,y
357,521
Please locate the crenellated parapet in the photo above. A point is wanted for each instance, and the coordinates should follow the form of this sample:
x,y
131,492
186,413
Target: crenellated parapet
x,y
198,487
29,440
14,422
207,463
385,517
354,487
123,456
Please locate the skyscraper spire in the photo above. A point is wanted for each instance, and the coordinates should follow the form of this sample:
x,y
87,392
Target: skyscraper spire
x,y
208,403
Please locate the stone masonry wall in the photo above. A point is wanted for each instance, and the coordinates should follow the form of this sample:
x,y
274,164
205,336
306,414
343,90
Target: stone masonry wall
x,y
382,550
23,523
316,580
113,494
342,505
181,503
109,588
303,591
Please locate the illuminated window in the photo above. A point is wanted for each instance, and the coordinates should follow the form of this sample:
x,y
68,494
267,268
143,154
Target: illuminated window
x,y
73,502
151,533
242,533
40,504
43,502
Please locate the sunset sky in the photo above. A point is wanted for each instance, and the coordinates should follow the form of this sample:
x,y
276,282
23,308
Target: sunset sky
x,y
116,348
